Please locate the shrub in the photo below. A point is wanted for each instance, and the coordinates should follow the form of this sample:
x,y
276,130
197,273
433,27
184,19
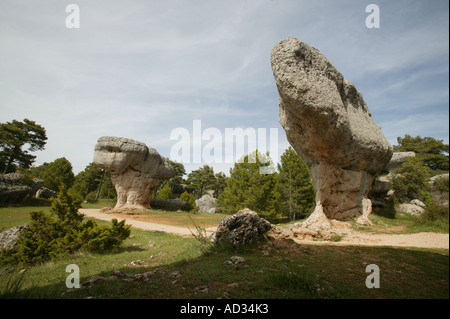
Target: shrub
x,y
427,199
441,184
189,199
165,192
335,237
411,181
63,232
436,212
91,197
104,237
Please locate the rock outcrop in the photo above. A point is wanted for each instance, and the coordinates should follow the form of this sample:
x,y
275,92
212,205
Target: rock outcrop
x,y
44,192
17,187
206,204
329,125
8,238
136,169
381,191
240,229
444,177
398,158
414,207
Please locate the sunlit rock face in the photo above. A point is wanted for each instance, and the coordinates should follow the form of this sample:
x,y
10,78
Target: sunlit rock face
x,y
136,169
329,125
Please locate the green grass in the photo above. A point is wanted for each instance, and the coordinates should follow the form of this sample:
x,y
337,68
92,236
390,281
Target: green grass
x,y
288,270
14,215
385,220
281,269
153,248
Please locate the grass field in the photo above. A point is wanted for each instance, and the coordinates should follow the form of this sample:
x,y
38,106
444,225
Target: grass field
x,y
279,269
15,215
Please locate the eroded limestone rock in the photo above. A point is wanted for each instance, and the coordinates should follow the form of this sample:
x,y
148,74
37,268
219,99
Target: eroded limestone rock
x,y
206,204
381,192
17,187
136,169
329,125
8,238
240,229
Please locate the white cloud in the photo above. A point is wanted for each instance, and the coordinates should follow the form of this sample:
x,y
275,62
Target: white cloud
x,y
143,68
432,124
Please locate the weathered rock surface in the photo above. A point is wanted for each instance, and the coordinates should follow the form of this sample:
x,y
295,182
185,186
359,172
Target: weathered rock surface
x,y
16,187
136,169
329,125
381,187
234,260
398,158
8,238
418,202
206,204
242,228
44,192
436,178
411,208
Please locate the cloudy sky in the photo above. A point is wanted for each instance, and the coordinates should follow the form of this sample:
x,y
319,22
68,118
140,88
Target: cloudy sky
x,y
141,69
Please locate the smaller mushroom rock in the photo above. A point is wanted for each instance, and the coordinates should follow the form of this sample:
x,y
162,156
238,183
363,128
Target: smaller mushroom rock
x,y
136,169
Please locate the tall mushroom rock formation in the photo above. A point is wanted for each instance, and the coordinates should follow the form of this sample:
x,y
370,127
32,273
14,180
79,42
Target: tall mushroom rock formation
x,y
329,125
136,170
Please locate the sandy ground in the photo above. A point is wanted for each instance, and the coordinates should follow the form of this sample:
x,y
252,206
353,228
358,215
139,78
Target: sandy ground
x,y
94,213
349,236
420,240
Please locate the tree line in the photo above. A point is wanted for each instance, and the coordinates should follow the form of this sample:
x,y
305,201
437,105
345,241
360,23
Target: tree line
x,y
285,190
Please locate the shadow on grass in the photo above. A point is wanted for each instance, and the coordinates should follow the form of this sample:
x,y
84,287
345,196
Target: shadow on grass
x,y
388,212
119,250
31,202
277,270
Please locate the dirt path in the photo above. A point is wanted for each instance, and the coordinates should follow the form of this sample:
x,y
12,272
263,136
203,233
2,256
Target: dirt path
x,y
420,240
184,231
349,236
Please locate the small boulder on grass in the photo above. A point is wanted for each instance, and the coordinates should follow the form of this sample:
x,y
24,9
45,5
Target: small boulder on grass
x,y
8,238
243,228
414,207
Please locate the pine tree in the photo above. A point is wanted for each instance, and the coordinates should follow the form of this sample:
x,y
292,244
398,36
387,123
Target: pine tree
x,y
297,197
177,180
89,181
55,173
201,180
165,192
411,180
247,187
430,151
13,136
220,183
189,199
63,232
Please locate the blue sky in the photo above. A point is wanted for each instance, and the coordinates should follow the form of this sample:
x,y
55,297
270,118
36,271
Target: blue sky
x,y
139,69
